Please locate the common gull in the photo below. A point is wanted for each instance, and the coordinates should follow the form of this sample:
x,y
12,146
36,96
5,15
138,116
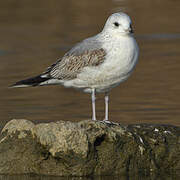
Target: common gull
x,y
96,64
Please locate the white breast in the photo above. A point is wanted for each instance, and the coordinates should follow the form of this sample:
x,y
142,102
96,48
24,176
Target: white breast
x,y
122,56
120,60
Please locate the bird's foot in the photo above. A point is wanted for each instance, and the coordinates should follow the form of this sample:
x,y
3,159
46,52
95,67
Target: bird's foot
x,y
94,119
109,122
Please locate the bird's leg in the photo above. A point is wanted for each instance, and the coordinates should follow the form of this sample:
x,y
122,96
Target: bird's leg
x,y
93,97
106,106
106,119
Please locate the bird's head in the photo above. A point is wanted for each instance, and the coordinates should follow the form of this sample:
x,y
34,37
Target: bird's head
x,y
118,23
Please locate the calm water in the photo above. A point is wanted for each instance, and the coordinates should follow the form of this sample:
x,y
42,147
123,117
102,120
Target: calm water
x,y
35,33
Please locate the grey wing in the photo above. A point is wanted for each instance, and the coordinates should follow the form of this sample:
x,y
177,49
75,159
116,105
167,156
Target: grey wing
x,y
86,53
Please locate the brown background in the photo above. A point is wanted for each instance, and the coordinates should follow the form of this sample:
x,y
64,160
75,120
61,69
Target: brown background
x,y
33,34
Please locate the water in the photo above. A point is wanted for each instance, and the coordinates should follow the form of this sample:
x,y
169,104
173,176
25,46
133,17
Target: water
x,y
35,34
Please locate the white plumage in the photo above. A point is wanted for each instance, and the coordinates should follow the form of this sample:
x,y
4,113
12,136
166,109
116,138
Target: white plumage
x,y
96,64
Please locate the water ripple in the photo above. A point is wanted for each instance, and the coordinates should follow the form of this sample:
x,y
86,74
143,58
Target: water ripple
x,y
158,36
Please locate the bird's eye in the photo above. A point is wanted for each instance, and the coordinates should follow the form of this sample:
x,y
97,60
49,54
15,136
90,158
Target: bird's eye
x,y
116,24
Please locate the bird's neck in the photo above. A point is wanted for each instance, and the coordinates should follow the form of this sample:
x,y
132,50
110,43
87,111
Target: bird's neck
x,y
106,36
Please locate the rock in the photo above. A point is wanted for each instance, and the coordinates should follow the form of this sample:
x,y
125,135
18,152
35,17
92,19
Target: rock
x,y
88,148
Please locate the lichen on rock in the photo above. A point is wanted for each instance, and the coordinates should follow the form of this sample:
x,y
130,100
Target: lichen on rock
x,y
88,148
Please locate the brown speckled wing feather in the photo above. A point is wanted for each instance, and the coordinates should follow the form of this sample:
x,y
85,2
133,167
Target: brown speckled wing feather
x,y
70,65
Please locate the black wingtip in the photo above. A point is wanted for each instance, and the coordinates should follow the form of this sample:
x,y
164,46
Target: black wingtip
x,y
34,81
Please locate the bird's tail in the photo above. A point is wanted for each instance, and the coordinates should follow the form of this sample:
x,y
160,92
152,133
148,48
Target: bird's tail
x,y
34,81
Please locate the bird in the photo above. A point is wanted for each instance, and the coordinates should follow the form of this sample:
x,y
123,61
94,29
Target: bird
x,y
96,64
